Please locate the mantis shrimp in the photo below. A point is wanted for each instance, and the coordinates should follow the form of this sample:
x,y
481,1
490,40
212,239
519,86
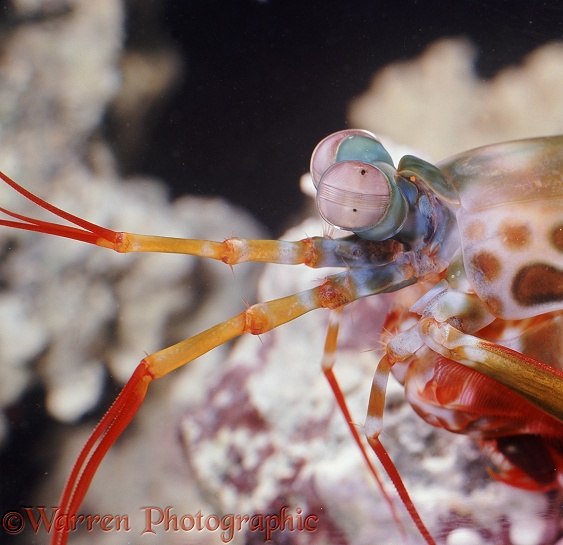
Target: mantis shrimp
x,y
474,330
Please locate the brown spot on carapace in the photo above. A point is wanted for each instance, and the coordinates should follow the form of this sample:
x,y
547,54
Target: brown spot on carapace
x,y
487,264
538,283
475,230
515,236
557,237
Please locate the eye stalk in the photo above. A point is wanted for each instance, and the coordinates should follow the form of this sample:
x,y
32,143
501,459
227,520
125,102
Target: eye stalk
x,y
356,190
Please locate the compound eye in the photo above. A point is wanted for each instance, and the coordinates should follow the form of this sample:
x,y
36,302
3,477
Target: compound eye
x,y
353,196
325,154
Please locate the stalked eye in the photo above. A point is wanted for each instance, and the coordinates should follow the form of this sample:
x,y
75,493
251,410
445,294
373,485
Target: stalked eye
x,y
353,195
361,198
327,150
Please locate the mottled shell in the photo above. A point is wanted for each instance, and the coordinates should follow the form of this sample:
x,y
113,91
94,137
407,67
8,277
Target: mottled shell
x,y
511,224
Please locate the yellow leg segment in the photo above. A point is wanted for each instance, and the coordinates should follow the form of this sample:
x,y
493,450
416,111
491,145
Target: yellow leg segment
x,y
230,251
256,320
